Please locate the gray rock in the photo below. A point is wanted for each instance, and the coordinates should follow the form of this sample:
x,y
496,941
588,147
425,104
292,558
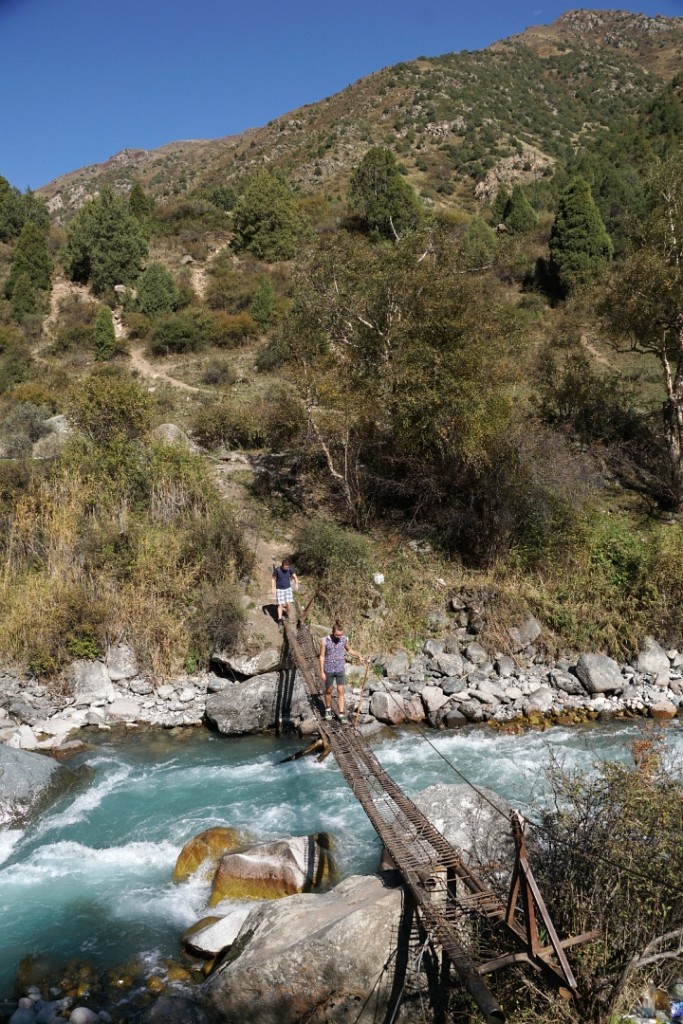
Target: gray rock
x,y
438,621
566,682
505,666
49,446
472,710
166,691
82,1015
654,661
141,687
90,681
448,664
335,971
174,1009
169,433
540,700
388,707
27,783
476,679
397,664
216,935
433,698
524,635
469,822
123,710
256,704
187,694
121,663
599,674
432,648
452,685
453,719
245,667
493,689
476,654
414,709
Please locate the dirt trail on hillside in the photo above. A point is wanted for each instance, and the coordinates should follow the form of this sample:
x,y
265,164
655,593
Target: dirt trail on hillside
x,y
262,628
592,350
139,362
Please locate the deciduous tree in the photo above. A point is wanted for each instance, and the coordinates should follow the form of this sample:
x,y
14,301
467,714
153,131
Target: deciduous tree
x,y
643,305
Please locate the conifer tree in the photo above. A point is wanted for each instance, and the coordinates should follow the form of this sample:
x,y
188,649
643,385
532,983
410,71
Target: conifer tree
x,y
105,243
266,219
480,245
579,244
380,198
139,203
157,291
104,335
520,215
500,204
31,257
23,302
263,303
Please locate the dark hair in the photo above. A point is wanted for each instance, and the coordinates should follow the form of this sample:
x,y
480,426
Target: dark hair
x,y
338,625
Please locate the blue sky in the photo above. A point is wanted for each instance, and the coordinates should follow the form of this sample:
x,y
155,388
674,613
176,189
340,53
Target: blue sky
x,y
83,79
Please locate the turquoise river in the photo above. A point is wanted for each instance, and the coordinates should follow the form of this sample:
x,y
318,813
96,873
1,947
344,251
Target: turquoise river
x,y
91,878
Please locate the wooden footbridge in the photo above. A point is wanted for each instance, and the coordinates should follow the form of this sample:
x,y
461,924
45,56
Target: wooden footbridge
x,y
453,901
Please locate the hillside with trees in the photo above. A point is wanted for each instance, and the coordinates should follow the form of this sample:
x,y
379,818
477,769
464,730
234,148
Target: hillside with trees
x,y
441,313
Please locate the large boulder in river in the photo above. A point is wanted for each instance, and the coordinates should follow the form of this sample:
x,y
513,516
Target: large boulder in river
x,y
272,870
257,704
212,935
654,661
27,783
244,666
204,851
90,682
326,957
599,674
475,822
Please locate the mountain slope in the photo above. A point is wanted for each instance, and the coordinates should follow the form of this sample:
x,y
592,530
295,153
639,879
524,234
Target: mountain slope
x,y
456,121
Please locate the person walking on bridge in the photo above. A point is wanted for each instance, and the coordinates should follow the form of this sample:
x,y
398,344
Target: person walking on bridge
x,y
333,651
283,578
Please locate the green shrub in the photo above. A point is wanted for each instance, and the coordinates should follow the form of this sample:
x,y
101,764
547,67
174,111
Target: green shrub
x,y
190,331
108,405
273,420
218,372
230,331
229,425
157,291
15,360
339,561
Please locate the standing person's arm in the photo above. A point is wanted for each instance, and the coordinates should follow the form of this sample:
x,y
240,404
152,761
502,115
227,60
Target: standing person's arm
x,y
272,582
322,660
295,580
354,654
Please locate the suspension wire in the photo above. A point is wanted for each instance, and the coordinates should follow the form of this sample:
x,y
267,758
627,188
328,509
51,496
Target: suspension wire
x,y
529,821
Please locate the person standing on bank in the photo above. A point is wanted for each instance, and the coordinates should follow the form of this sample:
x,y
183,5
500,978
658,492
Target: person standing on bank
x,y
283,577
333,651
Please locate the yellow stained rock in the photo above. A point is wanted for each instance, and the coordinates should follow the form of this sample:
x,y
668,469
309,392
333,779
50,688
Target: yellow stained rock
x,y
203,852
273,870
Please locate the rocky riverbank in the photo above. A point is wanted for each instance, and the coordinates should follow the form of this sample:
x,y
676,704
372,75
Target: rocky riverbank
x,y
452,681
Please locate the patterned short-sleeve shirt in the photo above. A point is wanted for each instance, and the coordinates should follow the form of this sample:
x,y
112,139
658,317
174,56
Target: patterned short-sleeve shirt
x,y
335,654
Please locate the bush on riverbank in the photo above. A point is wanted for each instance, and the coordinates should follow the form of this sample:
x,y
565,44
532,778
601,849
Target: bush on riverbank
x,y
119,538
610,858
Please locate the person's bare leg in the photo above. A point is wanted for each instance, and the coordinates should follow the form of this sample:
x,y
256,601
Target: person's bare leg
x,y
340,699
